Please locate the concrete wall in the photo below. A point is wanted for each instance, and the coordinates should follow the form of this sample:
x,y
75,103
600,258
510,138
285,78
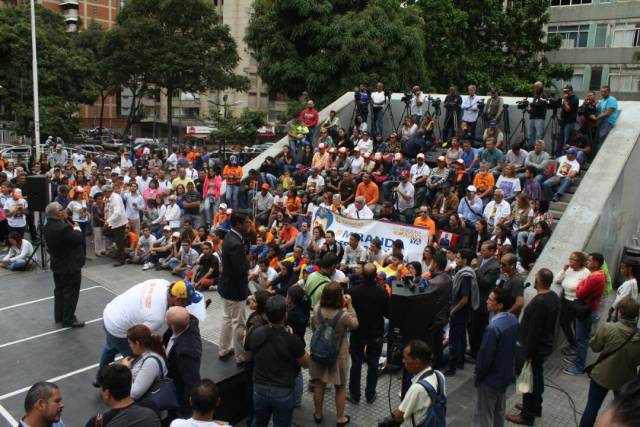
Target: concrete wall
x,y
603,214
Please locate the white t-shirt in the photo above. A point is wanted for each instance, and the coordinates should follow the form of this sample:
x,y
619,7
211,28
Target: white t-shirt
x,y
78,211
407,189
628,289
418,110
378,99
365,146
510,186
77,160
566,166
317,181
357,163
16,221
194,423
418,171
145,303
417,401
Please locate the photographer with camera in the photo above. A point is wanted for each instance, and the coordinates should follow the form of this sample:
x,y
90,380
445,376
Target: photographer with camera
x,y
378,102
568,115
495,107
588,108
417,403
419,102
470,110
537,110
363,99
452,103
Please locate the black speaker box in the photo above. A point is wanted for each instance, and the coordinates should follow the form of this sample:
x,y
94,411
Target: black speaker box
x,y
412,312
37,192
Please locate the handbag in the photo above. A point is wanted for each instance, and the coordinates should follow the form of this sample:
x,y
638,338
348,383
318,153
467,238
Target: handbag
x,y
162,393
524,383
604,356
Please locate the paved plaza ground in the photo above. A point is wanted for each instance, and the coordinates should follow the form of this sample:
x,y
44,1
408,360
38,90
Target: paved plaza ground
x,y
99,272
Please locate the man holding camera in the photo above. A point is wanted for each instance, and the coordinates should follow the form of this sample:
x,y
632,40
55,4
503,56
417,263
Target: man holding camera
x,y
568,115
378,102
419,101
537,113
470,110
452,103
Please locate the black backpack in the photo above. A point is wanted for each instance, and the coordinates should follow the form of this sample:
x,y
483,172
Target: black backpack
x,y
325,344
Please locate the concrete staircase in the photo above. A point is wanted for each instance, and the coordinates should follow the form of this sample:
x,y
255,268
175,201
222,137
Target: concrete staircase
x,y
558,208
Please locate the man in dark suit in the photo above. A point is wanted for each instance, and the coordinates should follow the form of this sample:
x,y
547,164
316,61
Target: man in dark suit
x,y
234,288
487,274
64,243
184,352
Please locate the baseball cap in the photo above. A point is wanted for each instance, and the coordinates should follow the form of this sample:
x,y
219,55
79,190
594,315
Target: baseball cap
x,y
176,234
398,156
342,150
492,124
105,188
472,188
265,186
442,159
332,150
17,193
223,206
420,156
405,173
357,149
166,228
321,146
572,150
80,189
229,211
568,87
184,290
309,269
367,155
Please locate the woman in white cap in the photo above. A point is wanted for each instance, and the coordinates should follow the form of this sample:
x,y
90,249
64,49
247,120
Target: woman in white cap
x,y
79,214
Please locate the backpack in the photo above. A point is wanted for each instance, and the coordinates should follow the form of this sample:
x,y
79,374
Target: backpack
x,y
325,344
437,412
306,299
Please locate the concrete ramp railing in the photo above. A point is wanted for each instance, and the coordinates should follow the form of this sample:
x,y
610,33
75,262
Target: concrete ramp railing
x,y
603,214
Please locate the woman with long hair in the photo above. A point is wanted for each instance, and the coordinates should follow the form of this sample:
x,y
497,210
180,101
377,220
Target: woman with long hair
x,y
541,233
427,258
630,270
571,275
287,161
522,218
79,214
20,250
480,234
454,152
149,363
97,218
334,306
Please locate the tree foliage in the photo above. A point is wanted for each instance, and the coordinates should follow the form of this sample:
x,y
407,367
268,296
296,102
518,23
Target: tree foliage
x,y
325,47
187,46
238,129
66,72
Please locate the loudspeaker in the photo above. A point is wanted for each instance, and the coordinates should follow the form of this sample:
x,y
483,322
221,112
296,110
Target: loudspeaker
x,y
37,192
412,312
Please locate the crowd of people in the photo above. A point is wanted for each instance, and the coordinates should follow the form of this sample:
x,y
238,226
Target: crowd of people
x,y
484,204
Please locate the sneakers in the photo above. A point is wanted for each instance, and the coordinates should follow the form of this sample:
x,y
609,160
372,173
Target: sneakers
x,y
148,266
568,351
572,371
555,198
352,399
372,398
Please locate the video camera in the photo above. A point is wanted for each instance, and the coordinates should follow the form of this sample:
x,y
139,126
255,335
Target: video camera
x,y
481,105
554,103
406,97
587,109
435,102
522,104
387,93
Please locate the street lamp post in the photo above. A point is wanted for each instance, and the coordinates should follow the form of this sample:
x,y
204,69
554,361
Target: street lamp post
x,y
36,106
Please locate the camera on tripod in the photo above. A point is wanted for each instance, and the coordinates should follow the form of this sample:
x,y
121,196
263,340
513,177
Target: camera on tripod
x,y
406,97
435,102
522,104
387,93
480,105
554,103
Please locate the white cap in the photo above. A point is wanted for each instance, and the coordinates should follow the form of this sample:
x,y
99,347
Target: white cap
x,y
420,156
472,188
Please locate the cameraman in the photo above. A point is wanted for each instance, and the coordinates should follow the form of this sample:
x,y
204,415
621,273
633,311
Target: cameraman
x,y
378,102
585,111
470,110
418,104
569,113
495,106
363,98
537,112
452,104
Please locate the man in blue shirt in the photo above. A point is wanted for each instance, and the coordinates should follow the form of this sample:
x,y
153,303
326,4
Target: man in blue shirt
x,y
607,115
495,360
43,405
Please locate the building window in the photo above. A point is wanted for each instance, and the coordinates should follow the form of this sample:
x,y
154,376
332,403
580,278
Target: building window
x,y
571,35
601,35
596,78
576,82
621,80
626,35
569,2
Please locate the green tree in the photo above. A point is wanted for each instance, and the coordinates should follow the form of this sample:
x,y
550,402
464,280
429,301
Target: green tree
x,y
241,130
327,47
486,43
191,50
65,70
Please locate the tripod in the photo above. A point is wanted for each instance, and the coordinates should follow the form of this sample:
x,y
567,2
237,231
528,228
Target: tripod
x,y
40,245
437,130
522,125
406,112
388,108
449,117
507,127
555,132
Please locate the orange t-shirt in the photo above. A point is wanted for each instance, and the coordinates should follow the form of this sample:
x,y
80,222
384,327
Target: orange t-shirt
x,y
484,181
370,192
233,174
428,223
133,239
288,233
294,205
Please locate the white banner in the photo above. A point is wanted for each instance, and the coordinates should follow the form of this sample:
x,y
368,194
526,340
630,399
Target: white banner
x,y
414,238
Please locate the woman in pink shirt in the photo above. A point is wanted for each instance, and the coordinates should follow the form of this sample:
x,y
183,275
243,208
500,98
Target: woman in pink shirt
x,y
211,192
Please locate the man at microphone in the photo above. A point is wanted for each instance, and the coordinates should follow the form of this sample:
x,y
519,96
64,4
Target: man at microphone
x,y
64,243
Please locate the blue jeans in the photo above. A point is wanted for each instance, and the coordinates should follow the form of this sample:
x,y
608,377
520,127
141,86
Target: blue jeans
x,y
603,132
583,331
112,346
210,206
565,135
597,393
562,183
377,125
232,196
298,388
364,350
19,263
276,401
536,131
457,342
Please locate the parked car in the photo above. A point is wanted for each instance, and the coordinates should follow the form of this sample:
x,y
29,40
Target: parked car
x,y
15,152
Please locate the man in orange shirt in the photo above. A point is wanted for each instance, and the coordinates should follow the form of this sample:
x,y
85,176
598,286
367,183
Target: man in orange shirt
x,y
424,220
287,235
484,181
369,190
232,173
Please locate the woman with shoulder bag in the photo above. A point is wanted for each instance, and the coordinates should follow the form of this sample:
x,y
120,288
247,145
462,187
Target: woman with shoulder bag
x,y
148,366
572,274
334,308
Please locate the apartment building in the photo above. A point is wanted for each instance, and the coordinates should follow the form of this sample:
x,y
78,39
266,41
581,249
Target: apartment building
x,y
601,41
